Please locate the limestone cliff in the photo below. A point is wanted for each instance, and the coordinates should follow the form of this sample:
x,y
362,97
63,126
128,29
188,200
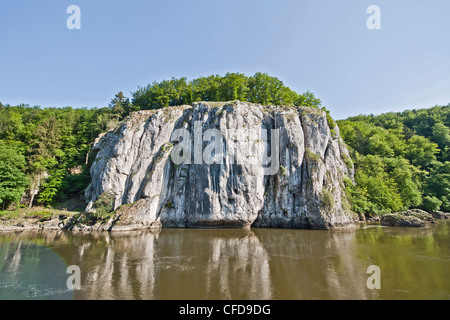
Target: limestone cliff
x,y
275,167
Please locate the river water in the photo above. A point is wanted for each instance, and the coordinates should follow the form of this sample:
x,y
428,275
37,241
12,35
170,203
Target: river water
x,y
414,263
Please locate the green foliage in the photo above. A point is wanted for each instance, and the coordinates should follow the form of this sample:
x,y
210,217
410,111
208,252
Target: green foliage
x,y
104,206
10,214
12,177
330,122
437,184
432,123
53,141
260,88
348,162
406,178
41,215
307,99
120,107
327,201
51,187
400,160
376,192
73,185
431,203
312,156
441,135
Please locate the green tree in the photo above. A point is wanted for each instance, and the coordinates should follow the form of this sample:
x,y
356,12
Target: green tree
x,y
265,89
441,135
407,179
413,148
234,86
381,194
421,151
260,88
206,88
12,176
431,203
121,106
51,187
437,184
104,205
308,99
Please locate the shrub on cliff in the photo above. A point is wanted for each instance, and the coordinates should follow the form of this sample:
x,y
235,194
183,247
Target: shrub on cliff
x,y
104,206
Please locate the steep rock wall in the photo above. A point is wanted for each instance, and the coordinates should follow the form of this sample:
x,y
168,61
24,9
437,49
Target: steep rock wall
x,y
275,167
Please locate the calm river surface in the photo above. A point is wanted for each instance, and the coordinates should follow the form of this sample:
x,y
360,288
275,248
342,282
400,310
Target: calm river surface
x,y
228,264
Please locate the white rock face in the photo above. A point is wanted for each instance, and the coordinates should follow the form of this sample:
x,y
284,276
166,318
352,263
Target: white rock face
x,y
255,176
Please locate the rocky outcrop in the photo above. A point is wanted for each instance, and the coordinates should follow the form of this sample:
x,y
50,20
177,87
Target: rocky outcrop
x,y
409,218
228,164
440,215
399,220
53,222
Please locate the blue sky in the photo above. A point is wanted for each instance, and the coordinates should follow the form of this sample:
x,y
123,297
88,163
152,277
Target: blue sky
x,y
318,45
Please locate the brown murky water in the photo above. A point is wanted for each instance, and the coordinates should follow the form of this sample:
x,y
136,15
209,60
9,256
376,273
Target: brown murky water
x,y
229,264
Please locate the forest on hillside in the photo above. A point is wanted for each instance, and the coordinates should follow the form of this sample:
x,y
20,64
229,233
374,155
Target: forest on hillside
x,y
401,159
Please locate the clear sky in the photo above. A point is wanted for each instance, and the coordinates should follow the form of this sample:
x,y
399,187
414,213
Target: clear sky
x,y
318,45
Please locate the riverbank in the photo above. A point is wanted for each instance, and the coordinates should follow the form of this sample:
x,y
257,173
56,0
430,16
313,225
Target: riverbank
x,y
37,218
408,218
40,218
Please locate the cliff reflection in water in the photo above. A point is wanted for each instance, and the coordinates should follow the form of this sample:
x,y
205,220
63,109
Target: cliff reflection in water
x,y
175,264
222,264
211,264
250,264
